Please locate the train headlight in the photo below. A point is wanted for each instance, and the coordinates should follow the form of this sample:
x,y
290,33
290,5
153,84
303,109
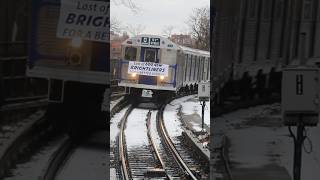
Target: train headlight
x,y
76,42
75,58
161,78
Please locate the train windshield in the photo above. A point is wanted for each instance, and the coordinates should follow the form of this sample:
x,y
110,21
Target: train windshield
x,y
150,55
130,53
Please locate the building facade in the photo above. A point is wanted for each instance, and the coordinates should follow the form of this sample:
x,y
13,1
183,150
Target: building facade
x,y
263,34
14,85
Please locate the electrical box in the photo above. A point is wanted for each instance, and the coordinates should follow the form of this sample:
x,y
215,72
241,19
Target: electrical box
x,y
300,96
204,91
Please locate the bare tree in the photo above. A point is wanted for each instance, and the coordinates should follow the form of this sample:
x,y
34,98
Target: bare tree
x,y
167,31
115,25
199,23
127,3
135,30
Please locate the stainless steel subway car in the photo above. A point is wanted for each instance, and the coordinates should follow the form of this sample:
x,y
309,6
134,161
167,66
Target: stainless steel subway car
x,y
153,65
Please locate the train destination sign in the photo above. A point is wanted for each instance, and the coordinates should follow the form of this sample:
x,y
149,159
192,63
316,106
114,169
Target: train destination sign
x,y
88,20
148,68
150,41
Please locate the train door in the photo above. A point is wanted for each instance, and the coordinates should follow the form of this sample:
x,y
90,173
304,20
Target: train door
x,y
148,55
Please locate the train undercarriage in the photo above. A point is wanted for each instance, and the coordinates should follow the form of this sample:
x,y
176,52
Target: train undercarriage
x,y
80,111
142,96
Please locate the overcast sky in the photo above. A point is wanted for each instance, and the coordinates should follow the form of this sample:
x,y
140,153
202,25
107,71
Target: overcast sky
x,y
155,15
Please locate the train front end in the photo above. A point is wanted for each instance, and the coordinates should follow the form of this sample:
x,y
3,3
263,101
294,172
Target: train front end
x,y
74,58
148,68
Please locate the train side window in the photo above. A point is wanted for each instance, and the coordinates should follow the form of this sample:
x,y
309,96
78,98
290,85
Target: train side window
x,y
194,61
130,53
199,68
190,67
205,69
202,67
208,71
186,67
195,68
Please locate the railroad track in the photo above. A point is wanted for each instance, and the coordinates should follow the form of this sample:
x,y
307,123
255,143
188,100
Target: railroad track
x,y
188,174
57,160
157,154
136,158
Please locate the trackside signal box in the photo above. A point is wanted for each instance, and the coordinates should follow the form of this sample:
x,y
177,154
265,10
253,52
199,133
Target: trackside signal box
x,y
204,91
300,96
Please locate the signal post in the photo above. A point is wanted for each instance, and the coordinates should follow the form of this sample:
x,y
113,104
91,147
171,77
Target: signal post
x,y
300,102
203,95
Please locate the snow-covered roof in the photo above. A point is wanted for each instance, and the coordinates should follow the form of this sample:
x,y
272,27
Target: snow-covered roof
x,y
195,51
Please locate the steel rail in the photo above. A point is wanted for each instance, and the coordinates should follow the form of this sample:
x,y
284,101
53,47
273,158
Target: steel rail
x,y
153,144
171,146
122,153
57,159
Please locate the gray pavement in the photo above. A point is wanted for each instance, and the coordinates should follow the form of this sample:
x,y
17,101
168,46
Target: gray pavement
x,y
268,172
255,145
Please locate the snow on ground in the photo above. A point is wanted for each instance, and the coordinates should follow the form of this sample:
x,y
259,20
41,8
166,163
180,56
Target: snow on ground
x,y
192,105
136,129
171,118
189,105
114,128
85,163
153,128
258,138
37,164
115,102
88,161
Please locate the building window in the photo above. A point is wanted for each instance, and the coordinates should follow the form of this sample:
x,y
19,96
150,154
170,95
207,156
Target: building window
x,y
185,72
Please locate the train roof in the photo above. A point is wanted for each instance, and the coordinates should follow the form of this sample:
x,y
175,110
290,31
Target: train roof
x,y
195,51
155,41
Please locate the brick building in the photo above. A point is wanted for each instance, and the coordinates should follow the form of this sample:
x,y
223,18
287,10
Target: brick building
x,y
116,40
182,39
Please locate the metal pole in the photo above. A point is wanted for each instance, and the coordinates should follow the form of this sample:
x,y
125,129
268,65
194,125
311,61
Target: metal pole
x,y
203,105
298,150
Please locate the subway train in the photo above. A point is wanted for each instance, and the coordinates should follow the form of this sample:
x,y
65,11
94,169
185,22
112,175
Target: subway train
x,y
153,67
252,41
76,67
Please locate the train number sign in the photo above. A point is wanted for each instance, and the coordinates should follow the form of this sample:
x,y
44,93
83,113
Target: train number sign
x,y
155,41
150,41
